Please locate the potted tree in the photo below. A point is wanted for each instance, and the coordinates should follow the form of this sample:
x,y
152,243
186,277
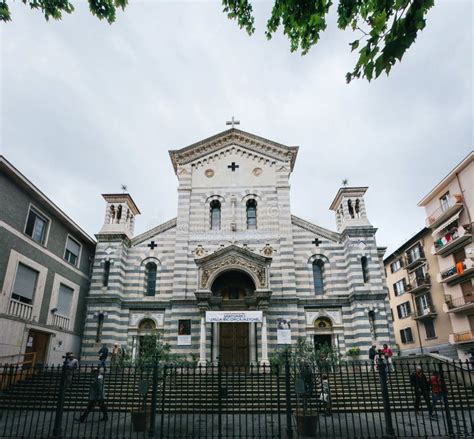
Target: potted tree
x,y
353,353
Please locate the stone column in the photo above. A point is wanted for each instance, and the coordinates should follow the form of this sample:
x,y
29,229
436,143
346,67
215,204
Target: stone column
x,y
215,341
202,341
264,359
253,359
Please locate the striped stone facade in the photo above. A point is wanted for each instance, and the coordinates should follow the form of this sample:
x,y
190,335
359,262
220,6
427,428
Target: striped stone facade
x,y
277,256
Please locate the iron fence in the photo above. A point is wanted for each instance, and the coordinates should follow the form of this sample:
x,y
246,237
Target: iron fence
x,y
290,400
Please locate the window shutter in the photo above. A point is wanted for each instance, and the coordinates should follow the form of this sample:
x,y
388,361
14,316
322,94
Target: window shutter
x,y
408,306
402,336
73,246
64,300
399,312
25,281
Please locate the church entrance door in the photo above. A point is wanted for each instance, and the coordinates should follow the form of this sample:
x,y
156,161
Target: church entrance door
x,y
321,340
234,344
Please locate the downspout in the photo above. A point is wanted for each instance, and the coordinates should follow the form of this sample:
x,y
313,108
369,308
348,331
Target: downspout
x,y
463,202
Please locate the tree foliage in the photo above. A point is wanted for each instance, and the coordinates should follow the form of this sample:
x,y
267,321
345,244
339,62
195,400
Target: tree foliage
x,y
385,28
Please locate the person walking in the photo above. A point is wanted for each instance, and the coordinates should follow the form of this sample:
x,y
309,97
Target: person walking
x,y
96,396
103,354
71,364
421,387
326,394
116,356
381,366
388,355
439,391
372,354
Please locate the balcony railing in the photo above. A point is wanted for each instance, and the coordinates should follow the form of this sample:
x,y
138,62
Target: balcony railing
x,y
20,309
419,283
460,304
61,321
463,337
453,205
451,241
457,272
420,313
414,260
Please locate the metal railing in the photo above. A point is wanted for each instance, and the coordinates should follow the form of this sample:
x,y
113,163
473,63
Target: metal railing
x,y
22,364
452,201
20,309
354,399
459,302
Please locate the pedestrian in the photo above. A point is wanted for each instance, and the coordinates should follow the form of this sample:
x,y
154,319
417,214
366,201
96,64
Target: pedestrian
x,y
439,391
96,396
388,355
103,354
380,363
325,396
116,356
421,387
372,354
71,364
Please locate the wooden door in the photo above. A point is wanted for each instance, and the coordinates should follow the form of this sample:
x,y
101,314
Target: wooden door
x,y
234,344
38,342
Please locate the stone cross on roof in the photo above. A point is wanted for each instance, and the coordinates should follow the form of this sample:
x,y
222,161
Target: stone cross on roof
x,y
233,122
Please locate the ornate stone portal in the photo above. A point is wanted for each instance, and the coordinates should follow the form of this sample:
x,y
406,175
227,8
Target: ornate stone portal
x,y
233,258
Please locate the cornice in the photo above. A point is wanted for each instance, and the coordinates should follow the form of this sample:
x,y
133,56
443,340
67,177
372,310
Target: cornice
x,y
153,232
321,231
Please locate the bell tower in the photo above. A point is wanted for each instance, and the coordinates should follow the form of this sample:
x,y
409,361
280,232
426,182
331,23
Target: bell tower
x,y
349,206
119,214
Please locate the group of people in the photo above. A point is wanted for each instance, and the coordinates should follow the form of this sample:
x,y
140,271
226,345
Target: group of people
x,y
381,359
116,356
422,387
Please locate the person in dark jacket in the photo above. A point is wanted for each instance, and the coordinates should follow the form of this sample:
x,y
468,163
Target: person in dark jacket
x,y
96,396
372,354
103,354
421,387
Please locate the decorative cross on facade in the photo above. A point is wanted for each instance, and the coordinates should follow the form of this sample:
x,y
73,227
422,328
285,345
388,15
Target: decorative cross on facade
x,y
316,242
233,166
233,122
152,245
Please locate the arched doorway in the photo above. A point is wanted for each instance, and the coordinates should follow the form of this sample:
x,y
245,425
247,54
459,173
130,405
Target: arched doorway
x,y
323,333
146,336
234,339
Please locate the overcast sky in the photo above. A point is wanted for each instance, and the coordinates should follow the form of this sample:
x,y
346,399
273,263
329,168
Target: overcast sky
x,y
86,106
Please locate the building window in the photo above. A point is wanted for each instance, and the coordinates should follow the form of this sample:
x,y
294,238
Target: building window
x,y
25,284
100,325
36,226
415,253
444,201
318,276
396,265
429,328
215,215
72,252
65,296
364,262
403,310
423,304
150,276
105,278
406,335
399,287
251,214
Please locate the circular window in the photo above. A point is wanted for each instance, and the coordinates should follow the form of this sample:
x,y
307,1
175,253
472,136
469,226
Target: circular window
x,y
209,173
257,171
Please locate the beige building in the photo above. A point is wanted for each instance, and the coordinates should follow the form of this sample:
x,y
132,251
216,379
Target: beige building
x,y
449,210
420,322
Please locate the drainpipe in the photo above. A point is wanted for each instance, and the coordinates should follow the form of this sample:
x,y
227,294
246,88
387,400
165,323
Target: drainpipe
x,y
463,202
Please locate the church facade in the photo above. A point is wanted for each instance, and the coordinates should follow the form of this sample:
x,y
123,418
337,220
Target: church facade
x,y
235,275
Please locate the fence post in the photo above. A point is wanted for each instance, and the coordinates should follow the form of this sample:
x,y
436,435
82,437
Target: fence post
x,y
449,421
57,430
386,400
219,397
289,428
154,400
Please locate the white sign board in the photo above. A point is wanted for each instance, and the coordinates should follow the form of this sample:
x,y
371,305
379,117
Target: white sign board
x,y
233,316
184,340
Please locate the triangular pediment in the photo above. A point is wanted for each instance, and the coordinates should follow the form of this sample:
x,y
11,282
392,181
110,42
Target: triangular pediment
x,y
232,251
242,139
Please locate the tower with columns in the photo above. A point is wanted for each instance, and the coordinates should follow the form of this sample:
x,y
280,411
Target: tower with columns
x,y
235,275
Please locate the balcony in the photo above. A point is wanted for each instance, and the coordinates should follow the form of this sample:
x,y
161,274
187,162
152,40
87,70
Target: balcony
x,y
457,273
20,309
451,241
60,321
462,337
423,313
419,284
415,261
460,304
443,213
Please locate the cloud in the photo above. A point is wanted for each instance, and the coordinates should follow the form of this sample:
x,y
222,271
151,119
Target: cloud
x,y
87,106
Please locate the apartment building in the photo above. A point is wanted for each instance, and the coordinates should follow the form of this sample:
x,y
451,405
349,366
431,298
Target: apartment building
x,y
45,261
420,322
449,208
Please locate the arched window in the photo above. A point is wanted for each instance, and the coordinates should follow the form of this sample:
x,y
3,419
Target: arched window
x,y
112,213
215,214
251,214
318,276
364,262
357,208
150,278
119,213
100,325
105,278
350,208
